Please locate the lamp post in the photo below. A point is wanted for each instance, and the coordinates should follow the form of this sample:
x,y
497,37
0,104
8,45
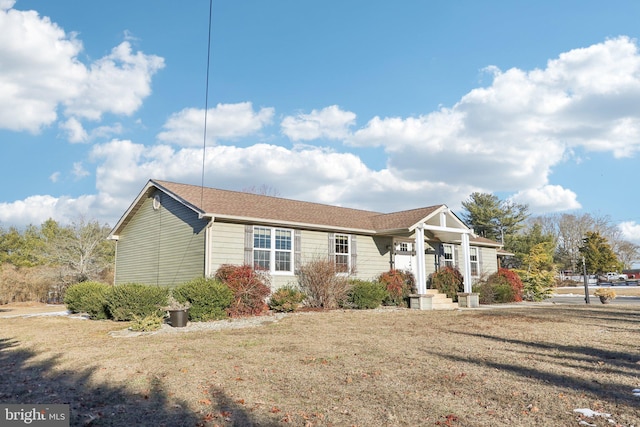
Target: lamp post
x,y
586,281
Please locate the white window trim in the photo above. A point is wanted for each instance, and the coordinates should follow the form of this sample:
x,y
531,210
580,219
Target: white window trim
x,y
453,255
272,250
475,249
348,254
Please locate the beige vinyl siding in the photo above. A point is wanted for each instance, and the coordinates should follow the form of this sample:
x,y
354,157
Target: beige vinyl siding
x,y
164,246
488,260
227,244
373,256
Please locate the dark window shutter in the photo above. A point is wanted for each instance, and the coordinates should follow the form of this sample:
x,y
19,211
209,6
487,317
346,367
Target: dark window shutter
x,y
297,250
354,254
248,245
332,247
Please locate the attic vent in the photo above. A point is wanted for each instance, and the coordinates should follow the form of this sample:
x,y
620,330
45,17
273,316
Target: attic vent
x,y
156,202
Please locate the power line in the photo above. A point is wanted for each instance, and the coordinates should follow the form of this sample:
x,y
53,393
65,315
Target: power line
x,y
206,108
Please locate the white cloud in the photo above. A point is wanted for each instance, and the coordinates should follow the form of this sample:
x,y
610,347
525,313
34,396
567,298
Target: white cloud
x,y
74,130
547,199
630,231
41,72
330,122
37,209
54,177
6,4
79,171
225,121
510,135
115,84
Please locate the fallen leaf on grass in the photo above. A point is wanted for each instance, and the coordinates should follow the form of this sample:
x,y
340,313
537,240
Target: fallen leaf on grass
x,y
275,410
204,401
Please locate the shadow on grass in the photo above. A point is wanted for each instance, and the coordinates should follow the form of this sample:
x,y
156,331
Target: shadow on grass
x,y
617,363
28,379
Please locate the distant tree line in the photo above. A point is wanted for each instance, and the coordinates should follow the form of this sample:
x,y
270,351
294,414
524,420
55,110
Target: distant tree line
x,y
38,261
568,239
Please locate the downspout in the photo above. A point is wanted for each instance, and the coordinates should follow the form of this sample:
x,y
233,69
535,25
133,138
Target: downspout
x,y
207,245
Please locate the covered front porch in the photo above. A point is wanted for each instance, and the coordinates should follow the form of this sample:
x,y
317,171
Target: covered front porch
x,y
422,252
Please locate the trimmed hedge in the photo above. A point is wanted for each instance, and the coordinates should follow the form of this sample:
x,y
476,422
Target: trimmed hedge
x,y
209,298
286,299
88,297
127,301
365,294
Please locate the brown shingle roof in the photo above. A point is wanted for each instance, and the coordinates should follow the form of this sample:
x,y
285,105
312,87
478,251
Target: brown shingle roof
x,y
246,205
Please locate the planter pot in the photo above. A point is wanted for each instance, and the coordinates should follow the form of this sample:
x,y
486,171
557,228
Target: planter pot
x,y
605,300
178,318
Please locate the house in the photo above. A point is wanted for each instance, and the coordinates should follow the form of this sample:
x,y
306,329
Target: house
x,y
175,232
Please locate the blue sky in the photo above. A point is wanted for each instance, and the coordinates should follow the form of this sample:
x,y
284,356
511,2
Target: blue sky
x,y
371,104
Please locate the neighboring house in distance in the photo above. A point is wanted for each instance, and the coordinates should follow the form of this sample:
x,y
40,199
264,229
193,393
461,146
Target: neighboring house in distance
x,y
174,232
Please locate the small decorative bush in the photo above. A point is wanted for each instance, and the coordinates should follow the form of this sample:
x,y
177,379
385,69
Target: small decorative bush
x,y
135,299
399,285
209,298
502,286
365,294
449,281
149,323
286,299
321,285
88,297
249,289
605,294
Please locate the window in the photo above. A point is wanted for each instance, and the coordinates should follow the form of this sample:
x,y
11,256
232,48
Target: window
x,y
447,256
473,257
342,253
272,249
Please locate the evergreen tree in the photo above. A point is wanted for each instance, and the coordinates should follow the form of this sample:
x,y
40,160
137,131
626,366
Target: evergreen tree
x,y
598,255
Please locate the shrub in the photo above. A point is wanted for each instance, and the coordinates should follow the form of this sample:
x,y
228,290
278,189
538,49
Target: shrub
x,y
149,323
19,284
249,289
209,298
135,299
536,286
399,285
321,285
449,281
501,287
286,299
365,294
605,293
88,297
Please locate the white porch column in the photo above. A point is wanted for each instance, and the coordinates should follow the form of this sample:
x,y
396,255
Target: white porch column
x,y
467,262
421,276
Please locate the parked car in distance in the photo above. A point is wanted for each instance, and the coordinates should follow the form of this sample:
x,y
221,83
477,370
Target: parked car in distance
x,y
612,276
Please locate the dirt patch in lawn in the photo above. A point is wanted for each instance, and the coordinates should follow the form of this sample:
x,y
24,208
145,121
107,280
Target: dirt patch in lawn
x,y
493,367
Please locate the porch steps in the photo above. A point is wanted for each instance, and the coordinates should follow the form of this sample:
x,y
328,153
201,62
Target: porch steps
x,y
441,301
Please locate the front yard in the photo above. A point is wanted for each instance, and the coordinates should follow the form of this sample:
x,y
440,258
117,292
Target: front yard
x,y
525,366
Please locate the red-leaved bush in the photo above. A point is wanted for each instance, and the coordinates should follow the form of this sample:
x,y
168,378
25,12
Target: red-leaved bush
x,y
250,289
502,286
399,284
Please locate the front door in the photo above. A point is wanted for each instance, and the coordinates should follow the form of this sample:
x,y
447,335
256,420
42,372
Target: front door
x,y
405,256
